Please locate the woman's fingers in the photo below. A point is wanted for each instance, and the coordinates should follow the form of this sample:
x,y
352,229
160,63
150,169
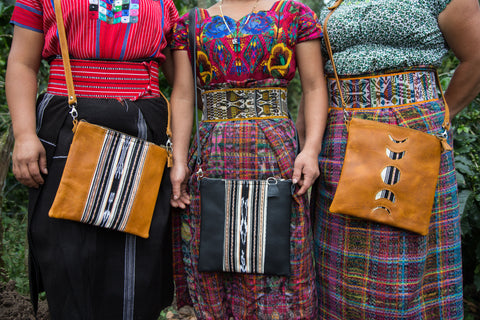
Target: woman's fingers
x,y
179,177
305,172
180,198
29,162
28,173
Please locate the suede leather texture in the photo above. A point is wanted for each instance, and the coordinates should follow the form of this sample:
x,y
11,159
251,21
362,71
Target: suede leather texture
x,y
361,180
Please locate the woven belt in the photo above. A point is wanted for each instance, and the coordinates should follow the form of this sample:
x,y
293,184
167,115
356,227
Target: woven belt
x,y
246,103
385,90
106,79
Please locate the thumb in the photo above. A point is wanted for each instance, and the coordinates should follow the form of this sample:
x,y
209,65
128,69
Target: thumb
x,y
175,190
297,173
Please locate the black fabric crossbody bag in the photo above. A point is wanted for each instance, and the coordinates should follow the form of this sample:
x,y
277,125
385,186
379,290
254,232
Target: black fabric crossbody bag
x,y
245,224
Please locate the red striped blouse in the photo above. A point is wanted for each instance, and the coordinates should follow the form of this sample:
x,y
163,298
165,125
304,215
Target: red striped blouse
x,y
102,29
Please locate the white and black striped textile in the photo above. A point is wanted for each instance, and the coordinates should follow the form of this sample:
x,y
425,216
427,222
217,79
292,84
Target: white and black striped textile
x,y
115,181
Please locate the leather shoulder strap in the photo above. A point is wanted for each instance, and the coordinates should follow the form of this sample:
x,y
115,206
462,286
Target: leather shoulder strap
x,y
62,37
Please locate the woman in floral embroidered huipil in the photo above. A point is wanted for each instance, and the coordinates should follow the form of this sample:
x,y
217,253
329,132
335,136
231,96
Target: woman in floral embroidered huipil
x,y
385,53
258,51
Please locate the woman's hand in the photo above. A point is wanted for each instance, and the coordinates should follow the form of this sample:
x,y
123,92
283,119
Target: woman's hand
x,y
305,170
29,161
179,175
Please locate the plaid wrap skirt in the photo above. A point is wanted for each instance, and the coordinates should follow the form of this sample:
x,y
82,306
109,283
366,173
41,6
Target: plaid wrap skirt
x,y
245,149
367,270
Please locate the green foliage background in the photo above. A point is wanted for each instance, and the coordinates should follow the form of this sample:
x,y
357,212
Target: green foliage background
x,y
466,129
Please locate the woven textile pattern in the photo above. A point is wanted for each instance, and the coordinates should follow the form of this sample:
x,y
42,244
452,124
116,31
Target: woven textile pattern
x,y
372,271
245,252
91,35
241,104
106,79
116,177
112,12
381,91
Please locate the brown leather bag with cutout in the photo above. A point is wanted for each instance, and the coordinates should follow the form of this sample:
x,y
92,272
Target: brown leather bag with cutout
x,y
390,173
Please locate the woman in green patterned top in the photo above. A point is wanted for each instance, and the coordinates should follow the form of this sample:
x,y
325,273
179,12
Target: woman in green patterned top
x,y
385,53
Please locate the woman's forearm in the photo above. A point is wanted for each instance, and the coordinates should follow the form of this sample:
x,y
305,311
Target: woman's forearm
x,y
182,120
464,86
315,119
21,92
314,104
28,159
181,100
460,25
21,80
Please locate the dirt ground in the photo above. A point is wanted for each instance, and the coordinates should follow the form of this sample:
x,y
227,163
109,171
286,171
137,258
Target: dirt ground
x,y
14,306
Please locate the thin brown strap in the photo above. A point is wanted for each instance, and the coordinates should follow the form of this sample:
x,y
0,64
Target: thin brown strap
x,y
335,5
446,120
62,37
169,129
168,144
330,54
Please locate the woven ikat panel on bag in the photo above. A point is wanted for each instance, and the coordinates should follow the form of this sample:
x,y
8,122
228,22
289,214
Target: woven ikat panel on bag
x,y
113,189
244,251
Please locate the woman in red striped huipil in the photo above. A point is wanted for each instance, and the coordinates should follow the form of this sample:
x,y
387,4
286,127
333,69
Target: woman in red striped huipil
x,y
117,48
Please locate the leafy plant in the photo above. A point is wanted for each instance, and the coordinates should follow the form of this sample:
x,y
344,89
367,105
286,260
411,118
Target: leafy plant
x,y
15,258
5,42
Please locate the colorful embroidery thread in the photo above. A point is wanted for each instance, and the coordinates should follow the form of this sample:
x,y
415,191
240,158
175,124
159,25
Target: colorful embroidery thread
x,y
114,11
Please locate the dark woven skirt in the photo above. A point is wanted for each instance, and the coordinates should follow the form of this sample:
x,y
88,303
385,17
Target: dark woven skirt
x,y
90,272
367,270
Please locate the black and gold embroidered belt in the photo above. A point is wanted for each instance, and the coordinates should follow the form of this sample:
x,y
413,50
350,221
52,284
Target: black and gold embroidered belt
x,y
244,103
